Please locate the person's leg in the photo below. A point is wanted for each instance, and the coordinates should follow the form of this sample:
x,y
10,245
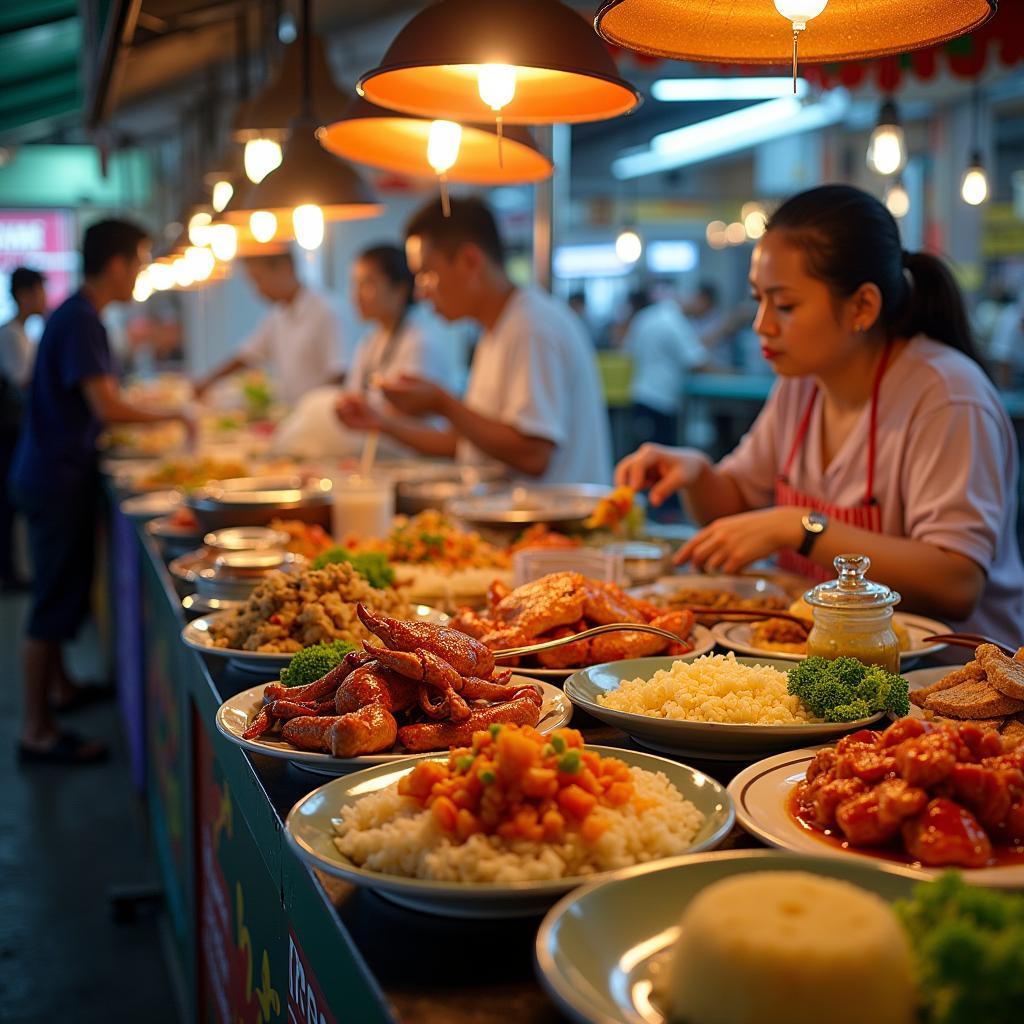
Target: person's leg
x,y
8,570
61,579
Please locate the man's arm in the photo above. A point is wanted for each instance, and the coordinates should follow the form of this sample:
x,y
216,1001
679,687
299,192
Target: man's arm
x,y
529,455
232,365
104,398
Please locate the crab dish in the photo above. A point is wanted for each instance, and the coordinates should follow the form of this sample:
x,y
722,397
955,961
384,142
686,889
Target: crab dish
x,y
564,603
427,688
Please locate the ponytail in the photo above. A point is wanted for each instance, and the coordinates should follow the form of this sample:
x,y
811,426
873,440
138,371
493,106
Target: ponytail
x,y
849,239
934,305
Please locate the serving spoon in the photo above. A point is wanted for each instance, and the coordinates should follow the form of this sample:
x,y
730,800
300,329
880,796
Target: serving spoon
x,y
610,627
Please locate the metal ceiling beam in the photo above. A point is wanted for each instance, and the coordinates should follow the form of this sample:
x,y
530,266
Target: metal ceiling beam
x,y
118,32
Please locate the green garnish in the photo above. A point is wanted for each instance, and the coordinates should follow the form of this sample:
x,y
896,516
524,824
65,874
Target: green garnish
x,y
845,689
494,730
373,566
969,947
464,763
570,762
547,750
559,744
487,777
313,663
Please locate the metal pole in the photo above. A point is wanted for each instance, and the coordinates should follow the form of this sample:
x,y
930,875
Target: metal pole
x,y
543,216
551,200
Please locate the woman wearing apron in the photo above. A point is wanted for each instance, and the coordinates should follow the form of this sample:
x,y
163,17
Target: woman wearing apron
x,y
883,434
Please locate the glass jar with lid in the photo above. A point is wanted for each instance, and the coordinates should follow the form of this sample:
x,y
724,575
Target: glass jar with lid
x,y
853,616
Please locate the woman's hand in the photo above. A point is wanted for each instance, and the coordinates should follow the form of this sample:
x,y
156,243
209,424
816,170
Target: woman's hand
x,y
662,469
356,413
414,396
733,542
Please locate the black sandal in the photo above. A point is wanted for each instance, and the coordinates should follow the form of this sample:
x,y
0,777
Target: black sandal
x,y
85,697
69,748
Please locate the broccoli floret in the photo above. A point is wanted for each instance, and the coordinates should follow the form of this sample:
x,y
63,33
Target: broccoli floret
x,y
885,692
313,663
852,712
969,947
845,689
373,566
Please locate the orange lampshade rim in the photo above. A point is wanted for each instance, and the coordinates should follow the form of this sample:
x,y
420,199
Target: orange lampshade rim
x,y
375,137
648,27
391,86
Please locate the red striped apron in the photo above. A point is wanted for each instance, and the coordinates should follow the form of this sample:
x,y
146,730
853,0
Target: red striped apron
x,y
867,515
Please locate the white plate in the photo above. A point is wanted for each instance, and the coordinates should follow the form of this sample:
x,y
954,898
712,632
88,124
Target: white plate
x,y
197,636
599,949
525,504
237,712
742,586
151,505
714,741
165,528
760,793
737,637
310,833
700,637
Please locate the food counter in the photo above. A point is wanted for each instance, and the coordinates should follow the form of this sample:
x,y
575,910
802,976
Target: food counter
x,y
254,929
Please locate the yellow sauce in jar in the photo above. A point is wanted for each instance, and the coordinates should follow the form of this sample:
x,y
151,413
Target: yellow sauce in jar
x,y
865,635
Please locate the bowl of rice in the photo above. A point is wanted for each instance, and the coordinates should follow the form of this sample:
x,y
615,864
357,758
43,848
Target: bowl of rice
x,y
391,828
717,707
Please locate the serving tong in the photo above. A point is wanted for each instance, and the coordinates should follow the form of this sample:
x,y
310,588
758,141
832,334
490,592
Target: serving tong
x,y
610,627
972,640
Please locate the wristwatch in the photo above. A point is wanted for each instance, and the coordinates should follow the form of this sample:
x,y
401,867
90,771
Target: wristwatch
x,y
814,524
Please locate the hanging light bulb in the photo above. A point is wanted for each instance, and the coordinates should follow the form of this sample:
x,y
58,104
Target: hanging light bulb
x,y
897,199
263,225
199,228
443,144
161,276
143,286
887,149
308,222
183,276
497,86
628,246
799,12
224,242
221,194
200,262
974,187
755,220
262,155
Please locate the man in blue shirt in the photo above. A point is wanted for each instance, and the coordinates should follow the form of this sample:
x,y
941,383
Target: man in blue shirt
x,y
55,480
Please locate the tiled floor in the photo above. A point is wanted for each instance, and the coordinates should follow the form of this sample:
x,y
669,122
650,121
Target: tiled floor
x,y
66,837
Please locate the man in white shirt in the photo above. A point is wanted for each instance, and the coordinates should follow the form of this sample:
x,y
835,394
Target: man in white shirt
x,y
17,354
533,402
664,346
299,340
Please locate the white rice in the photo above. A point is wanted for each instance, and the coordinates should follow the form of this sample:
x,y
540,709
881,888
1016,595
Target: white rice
x,y
715,688
392,834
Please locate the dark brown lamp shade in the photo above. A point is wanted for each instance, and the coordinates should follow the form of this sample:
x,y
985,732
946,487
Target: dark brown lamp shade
x,y
564,72
308,174
397,142
271,111
753,31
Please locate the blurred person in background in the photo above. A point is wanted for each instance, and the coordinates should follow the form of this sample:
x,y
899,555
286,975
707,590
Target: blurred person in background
x,y
299,341
405,338
533,402
664,347
1006,345
54,481
882,435
17,354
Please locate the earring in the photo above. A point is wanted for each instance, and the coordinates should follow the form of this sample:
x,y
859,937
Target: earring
x,y
859,328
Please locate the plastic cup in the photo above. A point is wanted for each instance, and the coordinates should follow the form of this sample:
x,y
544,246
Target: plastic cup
x,y
362,507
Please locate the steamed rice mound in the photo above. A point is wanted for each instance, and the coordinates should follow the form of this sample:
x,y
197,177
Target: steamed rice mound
x,y
390,833
714,688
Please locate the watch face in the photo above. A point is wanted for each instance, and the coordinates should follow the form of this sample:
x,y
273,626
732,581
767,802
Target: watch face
x,y
815,522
